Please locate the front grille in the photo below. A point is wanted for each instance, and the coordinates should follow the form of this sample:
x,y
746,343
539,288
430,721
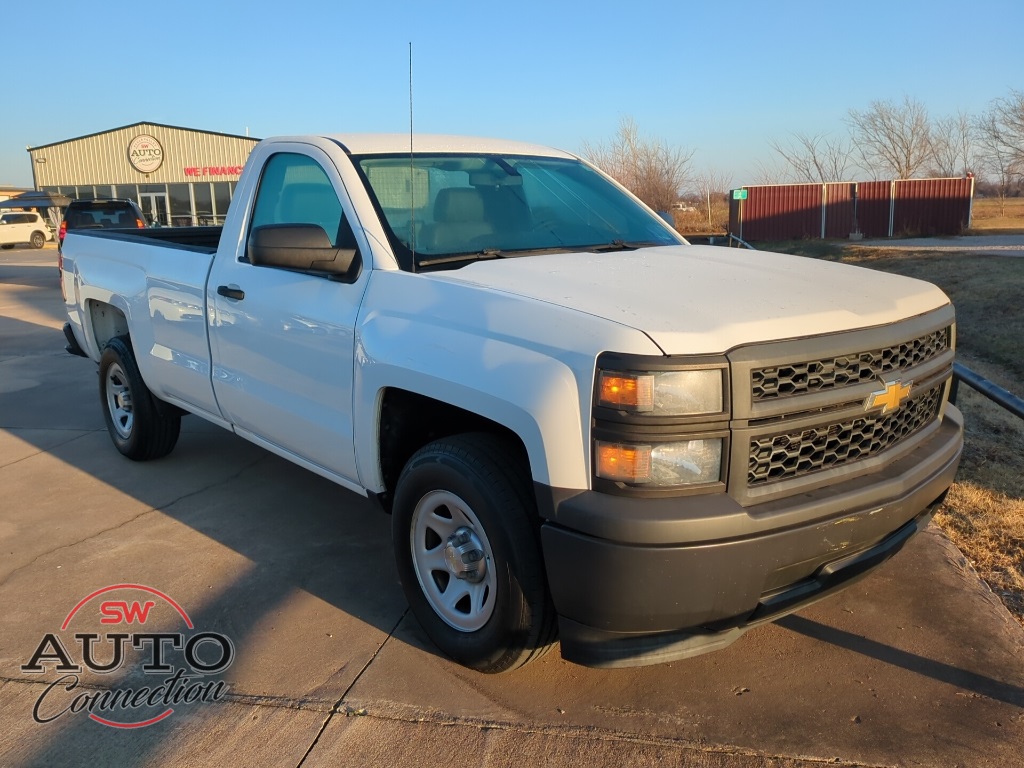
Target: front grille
x,y
834,372
794,454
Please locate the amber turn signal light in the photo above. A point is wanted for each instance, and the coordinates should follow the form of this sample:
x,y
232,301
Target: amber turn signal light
x,y
626,391
624,463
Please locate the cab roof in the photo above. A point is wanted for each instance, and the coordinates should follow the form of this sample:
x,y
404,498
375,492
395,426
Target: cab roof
x,y
398,143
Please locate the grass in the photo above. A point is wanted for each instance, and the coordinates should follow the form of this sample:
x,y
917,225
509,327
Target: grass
x,y
984,513
696,222
988,216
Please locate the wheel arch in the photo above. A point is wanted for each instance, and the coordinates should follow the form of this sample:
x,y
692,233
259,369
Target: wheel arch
x,y
505,385
409,420
105,322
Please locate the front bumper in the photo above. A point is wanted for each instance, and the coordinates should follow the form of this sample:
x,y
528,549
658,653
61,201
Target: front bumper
x,y
643,581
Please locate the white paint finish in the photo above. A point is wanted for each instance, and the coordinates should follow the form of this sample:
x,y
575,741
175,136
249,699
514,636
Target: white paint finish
x,y
707,299
161,292
522,363
283,355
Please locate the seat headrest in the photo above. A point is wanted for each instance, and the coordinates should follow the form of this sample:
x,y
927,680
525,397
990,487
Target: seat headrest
x,y
459,204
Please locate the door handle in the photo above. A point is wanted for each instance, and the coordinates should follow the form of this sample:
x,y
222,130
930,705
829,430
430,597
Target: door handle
x,y
231,293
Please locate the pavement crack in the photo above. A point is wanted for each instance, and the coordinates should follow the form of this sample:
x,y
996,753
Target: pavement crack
x,y
81,434
599,733
132,519
347,711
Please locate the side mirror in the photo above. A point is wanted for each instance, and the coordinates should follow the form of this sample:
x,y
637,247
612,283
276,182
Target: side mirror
x,y
303,247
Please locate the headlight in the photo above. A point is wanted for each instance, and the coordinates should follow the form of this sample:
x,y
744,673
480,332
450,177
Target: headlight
x,y
662,393
687,462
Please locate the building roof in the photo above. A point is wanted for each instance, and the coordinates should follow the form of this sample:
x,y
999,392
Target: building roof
x,y
136,125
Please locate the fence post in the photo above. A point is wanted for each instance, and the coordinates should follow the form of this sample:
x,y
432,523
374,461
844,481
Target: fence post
x,y
970,206
824,207
892,205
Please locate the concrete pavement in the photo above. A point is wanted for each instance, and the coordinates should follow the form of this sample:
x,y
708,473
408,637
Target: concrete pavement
x,y
917,665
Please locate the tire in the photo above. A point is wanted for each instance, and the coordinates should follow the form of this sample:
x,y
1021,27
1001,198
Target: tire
x,y
7,246
38,240
141,427
465,535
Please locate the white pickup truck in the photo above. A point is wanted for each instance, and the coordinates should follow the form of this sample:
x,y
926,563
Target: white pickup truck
x,y
583,426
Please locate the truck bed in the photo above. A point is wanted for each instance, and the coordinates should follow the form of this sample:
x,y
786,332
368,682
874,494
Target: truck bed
x,y
203,239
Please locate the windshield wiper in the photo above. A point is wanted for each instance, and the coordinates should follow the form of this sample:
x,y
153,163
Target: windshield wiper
x,y
485,254
623,245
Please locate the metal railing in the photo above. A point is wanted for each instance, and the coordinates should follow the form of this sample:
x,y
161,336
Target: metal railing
x,y
980,384
730,240
736,242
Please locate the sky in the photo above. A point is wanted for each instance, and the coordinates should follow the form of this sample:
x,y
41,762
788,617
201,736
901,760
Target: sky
x,y
719,78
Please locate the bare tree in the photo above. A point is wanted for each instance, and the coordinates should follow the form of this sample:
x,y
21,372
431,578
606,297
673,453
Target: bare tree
x,y
648,167
712,187
952,146
816,158
998,155
765,174
1001,136
891,138
1009,113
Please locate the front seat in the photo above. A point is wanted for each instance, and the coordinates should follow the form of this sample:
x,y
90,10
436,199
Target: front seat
x,y
459,221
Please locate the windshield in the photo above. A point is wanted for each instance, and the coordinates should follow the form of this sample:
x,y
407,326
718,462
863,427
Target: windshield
x,y
488,206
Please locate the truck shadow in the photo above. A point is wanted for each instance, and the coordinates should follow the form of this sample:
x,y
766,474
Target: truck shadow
x,y
31,275
921,665
36,286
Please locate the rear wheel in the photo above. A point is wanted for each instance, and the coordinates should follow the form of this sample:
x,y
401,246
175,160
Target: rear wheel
x,y
37,240
141,427
464,530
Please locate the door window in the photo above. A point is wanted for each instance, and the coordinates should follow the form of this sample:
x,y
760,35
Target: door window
x,y
294,189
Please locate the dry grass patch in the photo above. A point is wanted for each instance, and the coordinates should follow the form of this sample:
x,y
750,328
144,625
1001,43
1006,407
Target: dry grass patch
x,y
988,527
988,215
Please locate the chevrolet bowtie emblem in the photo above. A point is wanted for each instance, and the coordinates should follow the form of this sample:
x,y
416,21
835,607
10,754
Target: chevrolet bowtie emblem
x,y
890,398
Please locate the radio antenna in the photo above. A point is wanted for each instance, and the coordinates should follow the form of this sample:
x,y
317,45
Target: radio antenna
x,y
412,177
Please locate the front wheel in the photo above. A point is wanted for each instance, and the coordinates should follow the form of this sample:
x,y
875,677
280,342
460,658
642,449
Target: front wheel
x,y
140,426
464,530
37,240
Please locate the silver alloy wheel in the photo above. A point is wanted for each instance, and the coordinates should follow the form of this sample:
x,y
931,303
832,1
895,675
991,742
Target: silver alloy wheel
x,y
119,401
453,561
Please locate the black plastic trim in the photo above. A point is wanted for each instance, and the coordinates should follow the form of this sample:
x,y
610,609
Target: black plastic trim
x,y
596,647
72,347
202,240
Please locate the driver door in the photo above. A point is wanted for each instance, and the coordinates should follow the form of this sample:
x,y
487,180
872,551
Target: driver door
x,y
282,340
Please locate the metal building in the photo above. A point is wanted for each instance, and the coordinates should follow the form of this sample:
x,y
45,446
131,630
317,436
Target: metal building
x,y
179,176
896,208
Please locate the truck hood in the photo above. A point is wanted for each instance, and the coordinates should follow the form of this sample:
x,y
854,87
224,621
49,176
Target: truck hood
x,y
708,299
